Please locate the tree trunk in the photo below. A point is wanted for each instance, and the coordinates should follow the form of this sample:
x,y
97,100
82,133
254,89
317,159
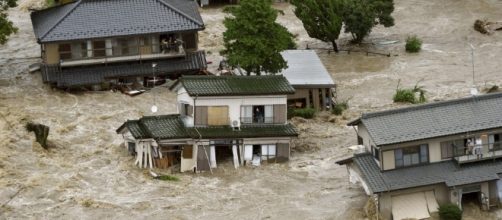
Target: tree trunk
x,y
335,46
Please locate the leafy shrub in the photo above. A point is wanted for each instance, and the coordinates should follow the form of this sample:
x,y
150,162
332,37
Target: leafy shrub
x,y
413,44
450,212
301,112
405,95
339,107
408,95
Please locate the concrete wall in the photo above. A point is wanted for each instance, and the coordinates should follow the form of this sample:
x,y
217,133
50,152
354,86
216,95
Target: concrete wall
x,y
441,192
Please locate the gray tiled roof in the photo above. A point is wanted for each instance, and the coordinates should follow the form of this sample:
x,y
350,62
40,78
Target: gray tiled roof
x,y
235,85
89,75
434,120
86,19
172,127
305,69
443,172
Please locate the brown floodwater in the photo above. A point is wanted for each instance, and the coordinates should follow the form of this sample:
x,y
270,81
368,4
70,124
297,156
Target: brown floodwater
x,y
86,174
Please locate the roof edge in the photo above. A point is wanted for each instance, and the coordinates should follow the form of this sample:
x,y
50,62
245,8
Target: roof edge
x,y
434,104
180,12
77,3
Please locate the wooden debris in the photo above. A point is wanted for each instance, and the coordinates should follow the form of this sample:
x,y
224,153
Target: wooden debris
x,y
487,27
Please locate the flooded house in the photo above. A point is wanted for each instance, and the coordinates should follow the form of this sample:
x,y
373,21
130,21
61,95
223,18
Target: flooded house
x,y
314,87
90,42
413,159
237,119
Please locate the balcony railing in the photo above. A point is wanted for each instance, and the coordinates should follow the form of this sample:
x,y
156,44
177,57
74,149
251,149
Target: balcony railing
x,y
98,56
257,120
478,152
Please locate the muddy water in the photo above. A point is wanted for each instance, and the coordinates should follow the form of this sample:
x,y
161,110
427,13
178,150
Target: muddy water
x,y
86,174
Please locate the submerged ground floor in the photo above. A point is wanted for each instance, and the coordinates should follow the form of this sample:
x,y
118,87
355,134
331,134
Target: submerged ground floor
x,y
417,192
164,142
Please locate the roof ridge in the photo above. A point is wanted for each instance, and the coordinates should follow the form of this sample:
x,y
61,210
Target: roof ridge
x,y
433,104
180,12
62,18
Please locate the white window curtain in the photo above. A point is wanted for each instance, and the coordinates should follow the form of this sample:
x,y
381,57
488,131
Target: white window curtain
x,y
268,151
269,113
247,114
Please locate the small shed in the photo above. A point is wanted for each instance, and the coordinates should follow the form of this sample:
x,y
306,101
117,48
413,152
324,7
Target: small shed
x,y
313,84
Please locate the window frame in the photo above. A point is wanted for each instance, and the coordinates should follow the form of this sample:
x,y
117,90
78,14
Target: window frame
x,y
401,155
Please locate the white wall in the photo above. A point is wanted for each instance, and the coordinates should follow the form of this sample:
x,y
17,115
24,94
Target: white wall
x,y
234,103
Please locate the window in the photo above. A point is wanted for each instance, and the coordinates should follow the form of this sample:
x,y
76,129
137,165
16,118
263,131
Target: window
x,y
188,151
268,151
64,51
99,48
186,109
411,155
453,148
376,152
257,114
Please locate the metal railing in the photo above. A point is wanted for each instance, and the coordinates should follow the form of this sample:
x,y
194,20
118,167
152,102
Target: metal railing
x,y
257,120
478,152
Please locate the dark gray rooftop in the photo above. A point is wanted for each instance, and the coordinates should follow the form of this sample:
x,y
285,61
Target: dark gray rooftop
x,y
89,75
172,127
443,172
86,19
434,120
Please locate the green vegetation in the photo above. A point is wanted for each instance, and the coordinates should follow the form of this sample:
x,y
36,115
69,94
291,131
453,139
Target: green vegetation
x,y
168,178
413,44
339,107
253,40
50,3
450,212
409,95
307,113
323,19
6,27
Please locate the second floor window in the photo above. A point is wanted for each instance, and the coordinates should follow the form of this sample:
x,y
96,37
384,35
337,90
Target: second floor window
x,y
410,156
65,51
186,109
257,114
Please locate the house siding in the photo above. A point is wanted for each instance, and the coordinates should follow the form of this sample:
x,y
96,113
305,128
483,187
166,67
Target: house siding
x,y
51,53
388,160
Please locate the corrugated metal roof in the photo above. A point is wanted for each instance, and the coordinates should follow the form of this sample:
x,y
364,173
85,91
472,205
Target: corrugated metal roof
x,y
89,75
235,85
442,172
306,69
86,19
434,120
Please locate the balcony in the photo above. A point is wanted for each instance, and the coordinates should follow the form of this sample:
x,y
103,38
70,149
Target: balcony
x,y
99,56
479,153
257,120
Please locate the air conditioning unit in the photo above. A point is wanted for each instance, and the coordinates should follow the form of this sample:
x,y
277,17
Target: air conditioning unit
x,y
236,125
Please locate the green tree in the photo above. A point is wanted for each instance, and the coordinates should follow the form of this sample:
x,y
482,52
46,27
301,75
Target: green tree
x,y
321,18
6,27
360,16
253,40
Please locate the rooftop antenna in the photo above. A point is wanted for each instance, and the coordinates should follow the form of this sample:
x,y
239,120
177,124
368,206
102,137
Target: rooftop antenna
x,y
474,91
154,108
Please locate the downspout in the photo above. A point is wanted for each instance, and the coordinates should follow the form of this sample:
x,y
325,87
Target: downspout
x,y
200,136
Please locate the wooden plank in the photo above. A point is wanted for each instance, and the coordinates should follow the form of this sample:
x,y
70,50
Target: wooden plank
x,y
200,115
279,114
217,115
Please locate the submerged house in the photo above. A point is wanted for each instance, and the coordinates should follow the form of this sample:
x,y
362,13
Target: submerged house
x,y
314,87
89,42
221,118
418,157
